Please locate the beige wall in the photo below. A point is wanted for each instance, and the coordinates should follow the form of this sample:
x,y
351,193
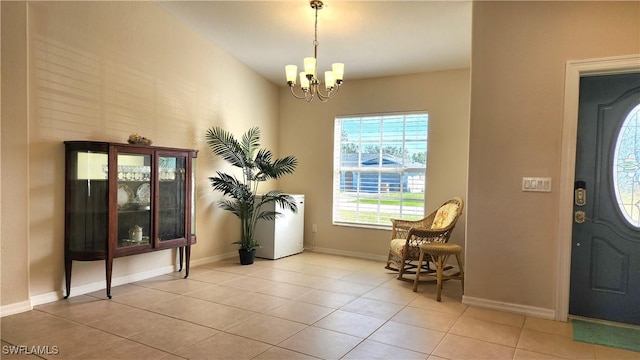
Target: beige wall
x,y
14,227
101,71
306,131
519,54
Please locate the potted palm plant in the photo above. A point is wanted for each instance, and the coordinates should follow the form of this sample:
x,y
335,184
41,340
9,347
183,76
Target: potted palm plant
x,y
241,197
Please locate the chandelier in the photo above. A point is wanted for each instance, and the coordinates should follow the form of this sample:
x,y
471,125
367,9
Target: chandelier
x,y
308,78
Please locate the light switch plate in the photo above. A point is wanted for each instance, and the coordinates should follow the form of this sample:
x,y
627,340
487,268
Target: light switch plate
x,y
536,184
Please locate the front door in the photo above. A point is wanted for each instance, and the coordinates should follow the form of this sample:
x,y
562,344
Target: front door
x,y
605,256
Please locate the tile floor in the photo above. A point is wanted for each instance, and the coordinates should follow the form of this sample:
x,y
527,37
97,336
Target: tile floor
x,y
308,306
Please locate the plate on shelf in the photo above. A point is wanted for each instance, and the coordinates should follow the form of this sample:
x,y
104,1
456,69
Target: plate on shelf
x,y
143,194
125,196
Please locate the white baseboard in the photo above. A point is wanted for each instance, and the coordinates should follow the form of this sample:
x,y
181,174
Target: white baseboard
x,y
15,308
510,307
353,254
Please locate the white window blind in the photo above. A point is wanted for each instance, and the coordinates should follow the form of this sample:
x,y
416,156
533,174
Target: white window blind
x,y
379,168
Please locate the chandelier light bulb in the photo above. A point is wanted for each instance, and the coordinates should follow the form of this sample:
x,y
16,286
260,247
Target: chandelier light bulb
x,y
292,72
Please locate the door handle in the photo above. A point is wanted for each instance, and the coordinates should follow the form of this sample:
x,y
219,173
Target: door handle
x,y
579,217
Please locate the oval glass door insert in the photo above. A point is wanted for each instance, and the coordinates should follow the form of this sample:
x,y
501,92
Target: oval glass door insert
x,y
626,168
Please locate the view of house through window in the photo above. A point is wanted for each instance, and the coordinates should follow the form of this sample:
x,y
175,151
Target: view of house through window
x,y
379,168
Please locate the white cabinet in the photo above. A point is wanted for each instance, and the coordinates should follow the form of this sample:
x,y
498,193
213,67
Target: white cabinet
x,y
283,236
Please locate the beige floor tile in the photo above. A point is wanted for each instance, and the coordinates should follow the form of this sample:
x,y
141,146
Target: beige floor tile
x,y
375,308
428,319
174,335
224,346
312,281
64,304
608,353
325,271
391,295
457,347
32,325
445,306
549,326
350,323
176,286
213,276
327,298
248,283
73,341
89,312
434,357
268,329
287,291
216,293
254,301
277,353
321,343
372,350
122,350
486,331
17,352
408,337
347,287
173,357
301,312
130,323
555,345
368,278
217,316
234,267
115,291
144,298
499,317
522,354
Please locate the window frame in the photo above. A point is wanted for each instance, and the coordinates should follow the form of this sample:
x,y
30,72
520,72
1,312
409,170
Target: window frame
x,y
382,165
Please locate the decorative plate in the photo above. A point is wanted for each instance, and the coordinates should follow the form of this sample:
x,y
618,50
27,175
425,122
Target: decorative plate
x,y
143,194
125,196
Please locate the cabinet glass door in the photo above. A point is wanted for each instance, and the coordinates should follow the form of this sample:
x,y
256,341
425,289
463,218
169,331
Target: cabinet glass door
x,y
172,198
134,199
87,201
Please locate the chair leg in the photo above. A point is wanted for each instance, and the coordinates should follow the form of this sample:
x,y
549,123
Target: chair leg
x,y
417,278
440,261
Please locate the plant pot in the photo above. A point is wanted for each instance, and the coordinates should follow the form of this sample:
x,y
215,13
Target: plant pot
x,y
247,256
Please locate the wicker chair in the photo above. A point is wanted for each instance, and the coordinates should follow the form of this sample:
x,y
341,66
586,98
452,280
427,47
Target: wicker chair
x,y
407,235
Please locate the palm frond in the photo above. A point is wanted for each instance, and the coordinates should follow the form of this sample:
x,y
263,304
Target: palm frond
x,y
231,206
250,142
222,143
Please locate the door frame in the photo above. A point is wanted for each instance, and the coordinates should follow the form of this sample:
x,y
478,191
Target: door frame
x,y
574,70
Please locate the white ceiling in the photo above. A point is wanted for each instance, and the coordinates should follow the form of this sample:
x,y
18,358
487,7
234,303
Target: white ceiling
x,y
372,38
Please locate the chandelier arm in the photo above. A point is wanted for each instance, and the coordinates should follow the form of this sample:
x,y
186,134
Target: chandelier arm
x,y
296,95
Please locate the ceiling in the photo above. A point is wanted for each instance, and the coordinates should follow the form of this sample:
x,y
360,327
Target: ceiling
x,y
372,38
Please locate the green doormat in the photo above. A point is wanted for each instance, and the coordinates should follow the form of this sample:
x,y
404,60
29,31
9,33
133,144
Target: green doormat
x,y
607,335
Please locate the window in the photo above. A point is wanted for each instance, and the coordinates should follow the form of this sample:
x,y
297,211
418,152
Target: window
x,y
379,168
626,168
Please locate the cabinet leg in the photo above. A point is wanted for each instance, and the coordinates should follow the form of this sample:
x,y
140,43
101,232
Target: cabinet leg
x,y
187,253
67,277
181,253
109,266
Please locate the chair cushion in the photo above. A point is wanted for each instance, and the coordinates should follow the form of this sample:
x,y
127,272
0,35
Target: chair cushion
x,y
444,216
397,246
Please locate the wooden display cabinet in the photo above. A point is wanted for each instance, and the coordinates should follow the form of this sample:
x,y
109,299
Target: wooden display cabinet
x,y
123,199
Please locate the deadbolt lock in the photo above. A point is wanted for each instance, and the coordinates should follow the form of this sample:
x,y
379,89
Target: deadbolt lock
x,y
579,217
